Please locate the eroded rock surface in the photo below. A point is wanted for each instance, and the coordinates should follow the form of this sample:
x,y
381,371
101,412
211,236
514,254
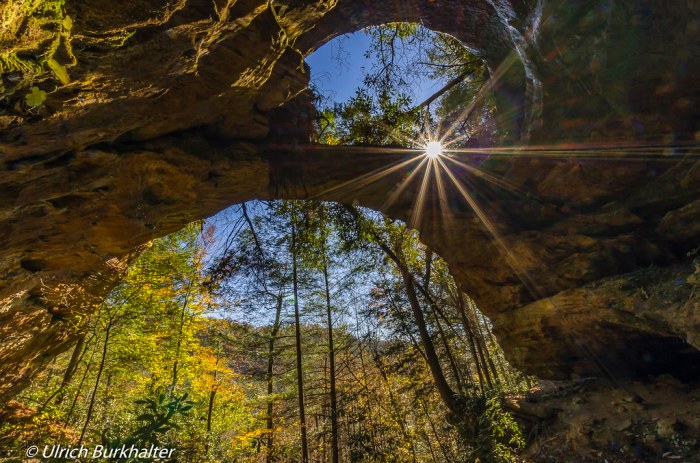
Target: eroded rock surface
x,y
172,114
589,421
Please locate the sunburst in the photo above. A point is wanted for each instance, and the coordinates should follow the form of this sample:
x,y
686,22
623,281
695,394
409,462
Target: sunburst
x,y
434,149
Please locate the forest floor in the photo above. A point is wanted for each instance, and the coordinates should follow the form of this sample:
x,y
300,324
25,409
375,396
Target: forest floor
x,y
588,421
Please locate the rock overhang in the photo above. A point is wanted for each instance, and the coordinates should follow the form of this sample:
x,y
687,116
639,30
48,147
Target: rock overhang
x,y
147,146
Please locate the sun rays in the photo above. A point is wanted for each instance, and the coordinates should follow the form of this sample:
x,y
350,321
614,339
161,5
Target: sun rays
x,y
434,149
465,195
441,176
437,182
525,204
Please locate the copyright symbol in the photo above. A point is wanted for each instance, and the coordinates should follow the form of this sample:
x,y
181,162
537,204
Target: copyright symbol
x,y
32,451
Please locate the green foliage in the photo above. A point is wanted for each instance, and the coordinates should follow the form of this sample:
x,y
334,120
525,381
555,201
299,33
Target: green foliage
x,y
158,416
35,98
498,437
451,60
385,120
35,51
12,62
161,414
59,71
403,55
158,324
382,111
387,33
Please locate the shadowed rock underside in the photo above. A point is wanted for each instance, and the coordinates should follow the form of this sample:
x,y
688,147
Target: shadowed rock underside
x,y
159,113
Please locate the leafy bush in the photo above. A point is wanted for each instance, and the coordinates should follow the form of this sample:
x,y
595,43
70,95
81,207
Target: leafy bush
x,y
159,417
497,437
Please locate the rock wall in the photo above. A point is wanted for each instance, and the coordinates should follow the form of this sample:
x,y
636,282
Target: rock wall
x,y
161,112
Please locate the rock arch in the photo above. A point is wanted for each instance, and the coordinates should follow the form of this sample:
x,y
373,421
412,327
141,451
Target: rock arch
x,y
136,147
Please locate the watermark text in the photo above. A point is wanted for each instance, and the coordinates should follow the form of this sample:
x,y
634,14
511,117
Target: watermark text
x,y
67,452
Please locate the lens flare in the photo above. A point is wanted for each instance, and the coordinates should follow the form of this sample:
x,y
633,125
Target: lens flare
x,y
433,149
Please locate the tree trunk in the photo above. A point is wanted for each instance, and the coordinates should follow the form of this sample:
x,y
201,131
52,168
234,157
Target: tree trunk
x,y
457,80
441,332
470,337
49,373
335,456
297,326
106,397
80,386
397,416
270,376
434,429
73,364
446,393
210,410
480,347
489,354
212,397
68,374
179,337
97,383
450,357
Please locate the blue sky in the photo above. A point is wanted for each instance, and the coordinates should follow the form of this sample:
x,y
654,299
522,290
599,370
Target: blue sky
x,y
338,67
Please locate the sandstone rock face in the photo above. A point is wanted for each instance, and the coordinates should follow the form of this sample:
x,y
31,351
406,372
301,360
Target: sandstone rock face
x,y
172,114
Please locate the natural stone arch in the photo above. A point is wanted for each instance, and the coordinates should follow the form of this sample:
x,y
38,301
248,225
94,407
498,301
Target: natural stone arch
x,y
170,142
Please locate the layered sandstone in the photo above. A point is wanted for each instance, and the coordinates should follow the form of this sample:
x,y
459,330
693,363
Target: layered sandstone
x,y
172,114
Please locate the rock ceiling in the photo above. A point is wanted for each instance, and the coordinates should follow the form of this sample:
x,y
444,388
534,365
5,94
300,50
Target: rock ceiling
x,y
172,113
